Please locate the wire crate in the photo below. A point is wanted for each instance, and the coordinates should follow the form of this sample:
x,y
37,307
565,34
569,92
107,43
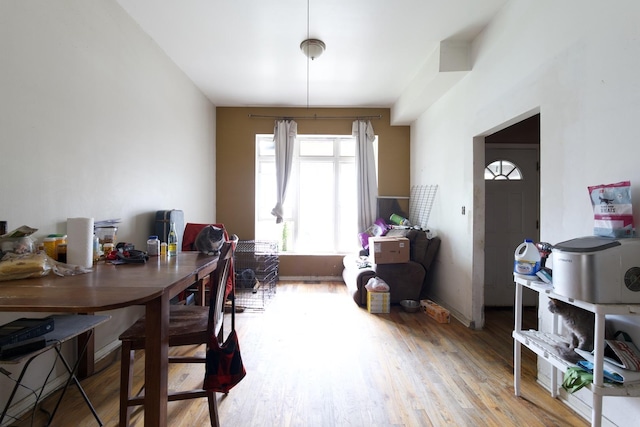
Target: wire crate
x,y
256,267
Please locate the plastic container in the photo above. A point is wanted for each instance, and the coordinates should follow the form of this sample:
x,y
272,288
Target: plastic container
x,y
50,246
106,234
527,260
153,246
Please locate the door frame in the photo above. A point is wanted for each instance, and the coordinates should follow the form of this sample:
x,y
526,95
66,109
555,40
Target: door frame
x,y
479,215
530,297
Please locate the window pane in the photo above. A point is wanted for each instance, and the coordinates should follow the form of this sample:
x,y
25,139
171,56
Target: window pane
x,y
348,147
502,170
347,225
266,146
266,189
514,174
316,207
320,206
316,147
488,176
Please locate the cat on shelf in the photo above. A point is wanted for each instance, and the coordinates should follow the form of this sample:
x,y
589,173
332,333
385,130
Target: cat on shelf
x,y
580,324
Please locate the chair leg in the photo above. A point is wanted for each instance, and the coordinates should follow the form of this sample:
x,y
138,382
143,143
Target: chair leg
x,y
213,409
126,382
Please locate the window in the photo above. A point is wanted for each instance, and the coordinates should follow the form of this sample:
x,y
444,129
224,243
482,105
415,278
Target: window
x,y
502,170
320,205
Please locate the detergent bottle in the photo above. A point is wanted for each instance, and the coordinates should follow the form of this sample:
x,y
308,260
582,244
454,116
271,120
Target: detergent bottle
x,y
527,260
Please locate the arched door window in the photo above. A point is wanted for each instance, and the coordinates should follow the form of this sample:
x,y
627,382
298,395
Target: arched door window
x,y
502,170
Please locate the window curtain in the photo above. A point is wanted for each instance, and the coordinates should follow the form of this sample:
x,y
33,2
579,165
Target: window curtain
x,y
366,173
284,136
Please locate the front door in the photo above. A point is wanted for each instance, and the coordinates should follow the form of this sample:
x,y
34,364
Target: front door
x,y
512,215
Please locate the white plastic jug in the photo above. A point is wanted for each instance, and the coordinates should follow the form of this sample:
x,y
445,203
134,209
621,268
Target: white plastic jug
x,y
527,260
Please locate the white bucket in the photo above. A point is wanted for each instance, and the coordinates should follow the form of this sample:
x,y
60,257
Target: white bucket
x,y
527,260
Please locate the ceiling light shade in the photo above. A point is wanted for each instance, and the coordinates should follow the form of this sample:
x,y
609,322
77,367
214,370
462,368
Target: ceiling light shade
x,y
312,48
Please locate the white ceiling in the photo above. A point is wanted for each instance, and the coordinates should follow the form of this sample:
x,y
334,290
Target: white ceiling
x,y
246,52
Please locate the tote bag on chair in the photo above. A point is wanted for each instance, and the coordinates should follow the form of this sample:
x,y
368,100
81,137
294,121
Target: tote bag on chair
x,y
224,367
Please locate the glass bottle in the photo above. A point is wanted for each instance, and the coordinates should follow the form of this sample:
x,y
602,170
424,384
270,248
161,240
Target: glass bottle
x,y
172,241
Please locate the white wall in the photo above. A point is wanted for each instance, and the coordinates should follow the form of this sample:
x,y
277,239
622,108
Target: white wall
x,y
575,62
96,121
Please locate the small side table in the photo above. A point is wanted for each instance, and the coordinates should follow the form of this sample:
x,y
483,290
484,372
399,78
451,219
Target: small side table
x,y
66,327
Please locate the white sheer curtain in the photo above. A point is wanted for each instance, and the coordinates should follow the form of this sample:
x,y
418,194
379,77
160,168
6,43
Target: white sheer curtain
x,y
366,173
284,136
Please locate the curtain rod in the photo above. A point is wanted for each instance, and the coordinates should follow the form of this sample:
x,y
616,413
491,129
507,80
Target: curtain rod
x,y
314,117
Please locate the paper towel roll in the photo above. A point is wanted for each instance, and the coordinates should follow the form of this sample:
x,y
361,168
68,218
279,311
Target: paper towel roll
x,y
80,241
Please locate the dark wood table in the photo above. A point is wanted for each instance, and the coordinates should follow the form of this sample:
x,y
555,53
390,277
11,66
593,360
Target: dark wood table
x,y
111,287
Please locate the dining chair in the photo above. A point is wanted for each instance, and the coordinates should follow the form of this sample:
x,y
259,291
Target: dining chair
x,y
188,325
191,231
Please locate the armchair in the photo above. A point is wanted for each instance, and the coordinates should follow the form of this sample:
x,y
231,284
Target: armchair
x,y
408,280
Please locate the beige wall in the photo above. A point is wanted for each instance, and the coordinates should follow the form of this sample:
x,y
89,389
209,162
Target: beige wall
x,y
235,168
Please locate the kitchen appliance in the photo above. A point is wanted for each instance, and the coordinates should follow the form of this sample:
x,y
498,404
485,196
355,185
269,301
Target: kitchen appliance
x,y
598,270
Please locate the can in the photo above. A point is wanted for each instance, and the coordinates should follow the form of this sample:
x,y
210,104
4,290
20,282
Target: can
x,y
399,220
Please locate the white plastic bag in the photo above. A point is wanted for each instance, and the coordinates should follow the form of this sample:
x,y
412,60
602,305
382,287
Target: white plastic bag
x,y
376,284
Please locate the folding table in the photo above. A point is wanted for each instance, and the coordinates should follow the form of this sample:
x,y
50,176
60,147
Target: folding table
x,y
66,327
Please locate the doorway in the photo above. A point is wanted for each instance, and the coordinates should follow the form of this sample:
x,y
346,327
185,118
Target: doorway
x,y
512,200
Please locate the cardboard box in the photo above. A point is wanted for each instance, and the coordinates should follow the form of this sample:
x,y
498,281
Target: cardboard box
x,y
378,302
433,310
388,250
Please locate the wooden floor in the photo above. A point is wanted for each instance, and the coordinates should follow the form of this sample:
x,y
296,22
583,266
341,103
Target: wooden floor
x,y
314,358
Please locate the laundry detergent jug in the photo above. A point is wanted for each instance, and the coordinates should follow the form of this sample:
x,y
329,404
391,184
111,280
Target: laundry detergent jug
x,y
527,260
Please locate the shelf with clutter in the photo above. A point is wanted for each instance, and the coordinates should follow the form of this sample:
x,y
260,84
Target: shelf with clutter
x,y
594,275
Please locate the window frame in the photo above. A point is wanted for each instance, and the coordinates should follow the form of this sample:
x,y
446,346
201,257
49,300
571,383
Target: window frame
x,y
292,215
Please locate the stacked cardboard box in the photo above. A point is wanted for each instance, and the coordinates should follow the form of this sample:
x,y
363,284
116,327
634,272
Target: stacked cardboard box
x,y
378,302
436,312
388,250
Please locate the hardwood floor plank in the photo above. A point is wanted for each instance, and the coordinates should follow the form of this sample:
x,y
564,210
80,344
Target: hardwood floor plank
x,y
314,358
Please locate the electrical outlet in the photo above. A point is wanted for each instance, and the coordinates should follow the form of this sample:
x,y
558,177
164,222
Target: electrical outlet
x,y
463,210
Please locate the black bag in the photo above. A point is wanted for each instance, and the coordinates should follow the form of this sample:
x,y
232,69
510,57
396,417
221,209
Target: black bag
x,y
224,367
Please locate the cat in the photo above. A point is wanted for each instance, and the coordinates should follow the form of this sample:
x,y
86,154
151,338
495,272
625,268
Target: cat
x,y
581,326
209,240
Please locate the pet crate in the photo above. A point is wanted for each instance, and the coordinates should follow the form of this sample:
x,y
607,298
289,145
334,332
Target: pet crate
x,y
256,268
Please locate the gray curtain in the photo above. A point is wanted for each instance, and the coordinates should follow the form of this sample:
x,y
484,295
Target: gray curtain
x,y
366,173
284,136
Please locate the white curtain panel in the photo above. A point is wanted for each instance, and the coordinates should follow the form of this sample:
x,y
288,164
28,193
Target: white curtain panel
x,y
284,136
366,173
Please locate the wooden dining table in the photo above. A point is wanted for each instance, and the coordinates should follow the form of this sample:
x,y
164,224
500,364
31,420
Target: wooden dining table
x,y
110,287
